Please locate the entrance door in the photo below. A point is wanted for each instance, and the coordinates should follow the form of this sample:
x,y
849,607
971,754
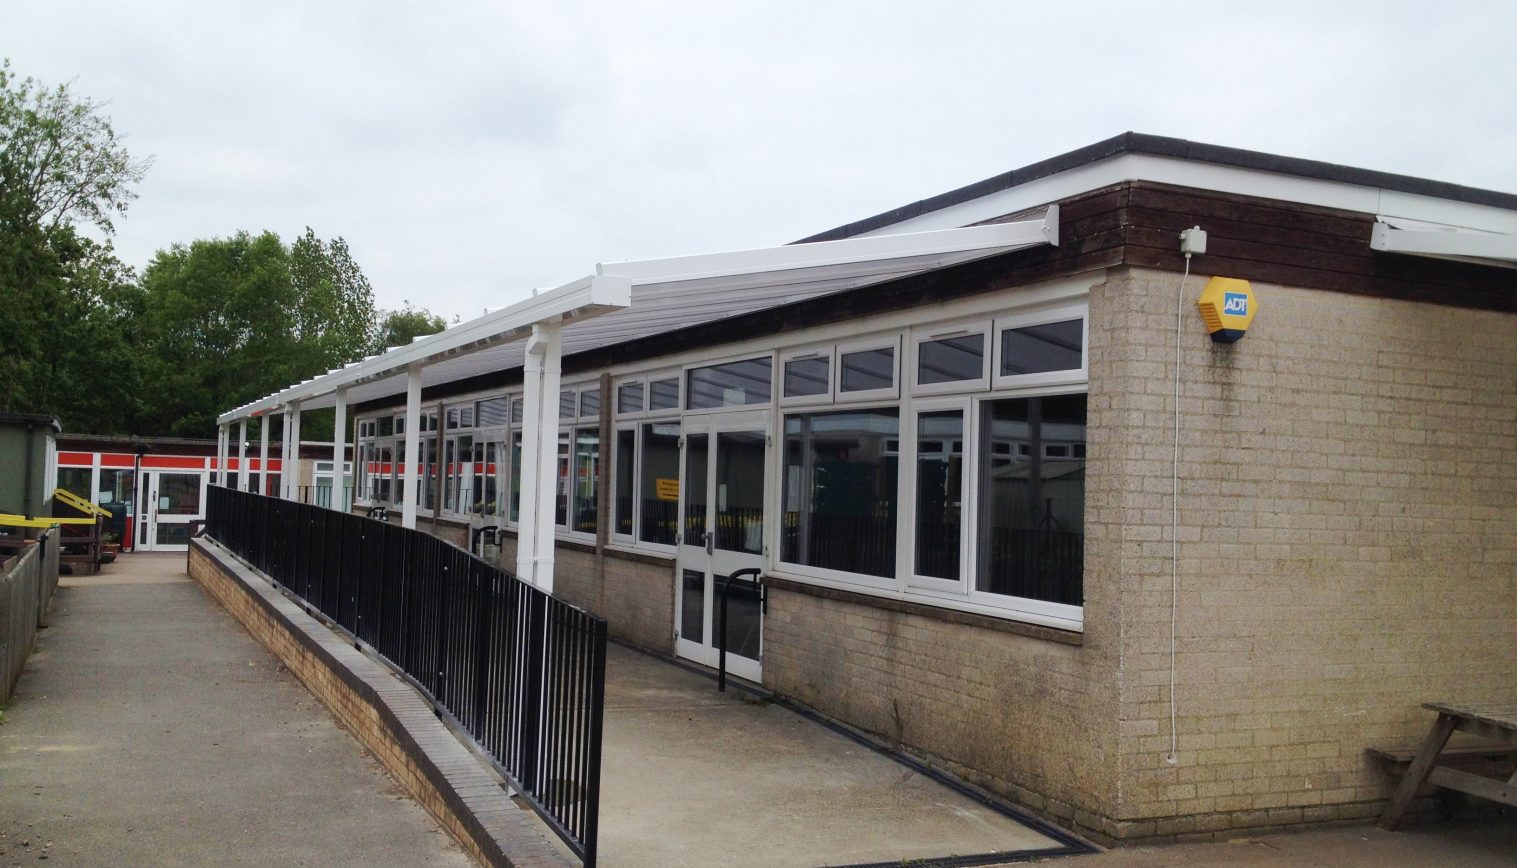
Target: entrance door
x,y
170,501
722,498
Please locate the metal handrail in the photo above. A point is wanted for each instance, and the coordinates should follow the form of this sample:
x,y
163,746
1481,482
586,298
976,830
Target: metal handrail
x,y
721,658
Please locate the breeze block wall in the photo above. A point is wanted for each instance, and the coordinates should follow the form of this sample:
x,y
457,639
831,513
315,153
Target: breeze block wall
x,y
1347,544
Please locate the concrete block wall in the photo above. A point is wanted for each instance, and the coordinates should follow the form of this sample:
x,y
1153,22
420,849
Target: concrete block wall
x,y
1348,543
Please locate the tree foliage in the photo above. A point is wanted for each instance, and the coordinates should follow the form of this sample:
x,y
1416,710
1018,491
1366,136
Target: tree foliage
x,y
396,328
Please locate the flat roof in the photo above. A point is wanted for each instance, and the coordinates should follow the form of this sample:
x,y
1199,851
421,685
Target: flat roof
x,y
1182,149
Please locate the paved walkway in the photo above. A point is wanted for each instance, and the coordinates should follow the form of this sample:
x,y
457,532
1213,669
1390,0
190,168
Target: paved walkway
x,y
150,729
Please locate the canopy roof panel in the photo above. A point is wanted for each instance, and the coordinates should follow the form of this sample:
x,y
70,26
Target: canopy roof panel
x,y
625,301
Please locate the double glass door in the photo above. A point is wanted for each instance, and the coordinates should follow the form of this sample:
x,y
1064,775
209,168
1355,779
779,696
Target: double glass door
x,y
170,502
722,495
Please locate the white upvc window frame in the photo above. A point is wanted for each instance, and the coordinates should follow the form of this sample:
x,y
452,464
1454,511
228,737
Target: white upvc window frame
x,y
571,425
909,453
826,352
1067,377
684,380
660,376
947,331
617,384
891,342
618,427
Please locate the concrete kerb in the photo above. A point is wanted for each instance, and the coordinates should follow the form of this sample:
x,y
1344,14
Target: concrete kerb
x,y
388,717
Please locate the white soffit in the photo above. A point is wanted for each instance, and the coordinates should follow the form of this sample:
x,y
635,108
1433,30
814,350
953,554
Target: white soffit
x,y
1417,238
625,301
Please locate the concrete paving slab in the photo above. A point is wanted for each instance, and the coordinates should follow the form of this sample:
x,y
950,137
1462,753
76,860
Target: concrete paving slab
x,y
150,729
693,777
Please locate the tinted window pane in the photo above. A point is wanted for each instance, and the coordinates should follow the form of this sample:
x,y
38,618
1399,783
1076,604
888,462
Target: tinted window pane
x,y
940,486
951,360
660,483
566,405
806,377
629,398
1054,346
731,385
663,395
867,370
839,491
626,442
1032,507
589,403
492,411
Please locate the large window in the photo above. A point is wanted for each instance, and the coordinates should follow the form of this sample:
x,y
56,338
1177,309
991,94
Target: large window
x,y
840,491
940,493
734,384
658,522
1032,498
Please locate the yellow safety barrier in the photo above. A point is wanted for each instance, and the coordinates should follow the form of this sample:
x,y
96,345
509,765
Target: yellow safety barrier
x,y
9,520
80,503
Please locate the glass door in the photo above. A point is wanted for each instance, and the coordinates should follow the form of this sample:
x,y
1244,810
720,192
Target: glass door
x,y
170,501
722,496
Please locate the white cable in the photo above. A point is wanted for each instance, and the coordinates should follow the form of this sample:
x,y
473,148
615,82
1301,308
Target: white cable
x,y
1174,528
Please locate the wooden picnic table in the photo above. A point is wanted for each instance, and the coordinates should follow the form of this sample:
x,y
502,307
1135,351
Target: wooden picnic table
x,y
1494,721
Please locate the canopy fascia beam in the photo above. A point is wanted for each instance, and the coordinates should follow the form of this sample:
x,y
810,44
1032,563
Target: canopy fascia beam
x,y
581,299
1492,248
868,251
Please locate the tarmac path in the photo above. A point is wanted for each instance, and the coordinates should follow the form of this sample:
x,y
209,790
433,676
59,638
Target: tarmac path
x,y
149,728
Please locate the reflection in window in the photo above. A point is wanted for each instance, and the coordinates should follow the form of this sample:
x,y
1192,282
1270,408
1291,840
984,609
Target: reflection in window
x,y
561,490
731,385
867,370
492,411
740,491
663,395
840,490
1054,346
566,405
940,485
659,488
1032,505
951,360
629,398
805,377
589,403
586,479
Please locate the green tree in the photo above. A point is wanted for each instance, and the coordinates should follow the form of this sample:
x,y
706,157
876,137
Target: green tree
x,y
229,320
65,301
396,328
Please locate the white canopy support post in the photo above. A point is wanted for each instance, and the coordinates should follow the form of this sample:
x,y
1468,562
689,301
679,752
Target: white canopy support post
x,y
410,486
292,463
542,372
283,492
339,451
263,454
221,440
242,454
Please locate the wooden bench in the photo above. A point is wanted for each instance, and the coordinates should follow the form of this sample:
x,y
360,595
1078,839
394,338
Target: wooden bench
x,y
1496,723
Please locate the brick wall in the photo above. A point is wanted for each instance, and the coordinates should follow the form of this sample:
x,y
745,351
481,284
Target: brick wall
x,y
1347,543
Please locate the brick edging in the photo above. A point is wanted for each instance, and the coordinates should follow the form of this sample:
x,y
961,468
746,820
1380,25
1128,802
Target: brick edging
x,y
386,715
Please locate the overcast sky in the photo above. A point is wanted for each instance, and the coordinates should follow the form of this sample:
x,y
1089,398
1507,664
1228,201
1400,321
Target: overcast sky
x,y
470,151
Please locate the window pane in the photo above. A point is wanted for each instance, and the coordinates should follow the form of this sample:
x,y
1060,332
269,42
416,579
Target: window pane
x,y
695,490
77,481
806,377
663,395
589,403
566,405
867,369
486,476
1032,507
515,474
586,479
429,473
951,360
492,411
629,398
561,505
660,483
626,446
516,409
386,426
731,385
839,497
692,619
940,485
179,493
1054,346
740,491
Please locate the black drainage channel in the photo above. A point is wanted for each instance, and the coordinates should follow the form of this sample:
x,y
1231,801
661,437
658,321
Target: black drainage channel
x,y
1071,844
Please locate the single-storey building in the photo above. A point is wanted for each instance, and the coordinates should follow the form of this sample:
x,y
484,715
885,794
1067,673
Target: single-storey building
x,y
1016,509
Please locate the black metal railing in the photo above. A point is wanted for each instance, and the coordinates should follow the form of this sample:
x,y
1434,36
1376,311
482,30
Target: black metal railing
x,y
521,671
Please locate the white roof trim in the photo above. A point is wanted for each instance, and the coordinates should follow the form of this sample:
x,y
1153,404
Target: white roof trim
x,y
664,294
1444,242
